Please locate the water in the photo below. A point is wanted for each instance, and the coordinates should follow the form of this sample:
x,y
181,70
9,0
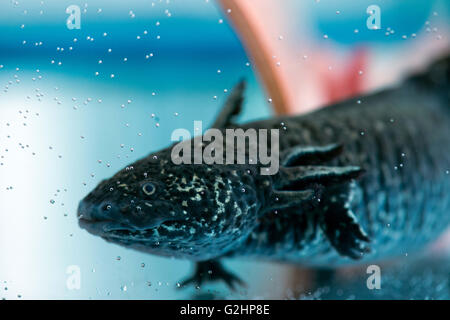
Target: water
x,y
64,128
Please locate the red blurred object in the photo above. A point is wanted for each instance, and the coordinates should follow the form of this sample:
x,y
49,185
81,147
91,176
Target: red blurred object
x,y
348,81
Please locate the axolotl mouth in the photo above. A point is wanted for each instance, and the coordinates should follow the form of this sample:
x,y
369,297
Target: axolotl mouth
x,y
114,230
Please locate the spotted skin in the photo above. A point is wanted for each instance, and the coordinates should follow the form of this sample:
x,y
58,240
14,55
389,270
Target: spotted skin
x,y
361,180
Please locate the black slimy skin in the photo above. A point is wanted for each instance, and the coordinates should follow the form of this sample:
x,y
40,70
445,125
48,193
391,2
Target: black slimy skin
x,y
364,179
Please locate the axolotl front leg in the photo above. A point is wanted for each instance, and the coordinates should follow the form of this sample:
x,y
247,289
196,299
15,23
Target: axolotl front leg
x,y
210,271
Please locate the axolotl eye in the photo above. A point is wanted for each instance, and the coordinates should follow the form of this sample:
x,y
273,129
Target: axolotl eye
x,y
148,188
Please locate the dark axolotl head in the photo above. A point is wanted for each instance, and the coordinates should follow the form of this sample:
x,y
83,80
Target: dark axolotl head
x,y
186,211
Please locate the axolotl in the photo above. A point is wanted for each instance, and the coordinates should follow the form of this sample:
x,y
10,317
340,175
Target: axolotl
x,y
364,179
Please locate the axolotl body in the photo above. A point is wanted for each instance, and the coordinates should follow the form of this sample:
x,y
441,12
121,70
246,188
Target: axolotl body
x,y
365,179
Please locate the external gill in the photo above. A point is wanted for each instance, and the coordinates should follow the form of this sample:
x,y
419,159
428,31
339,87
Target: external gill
x,y
301,175
303,178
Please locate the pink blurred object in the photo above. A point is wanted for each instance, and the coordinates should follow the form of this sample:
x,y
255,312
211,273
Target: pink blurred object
x,y
301,74
295,82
